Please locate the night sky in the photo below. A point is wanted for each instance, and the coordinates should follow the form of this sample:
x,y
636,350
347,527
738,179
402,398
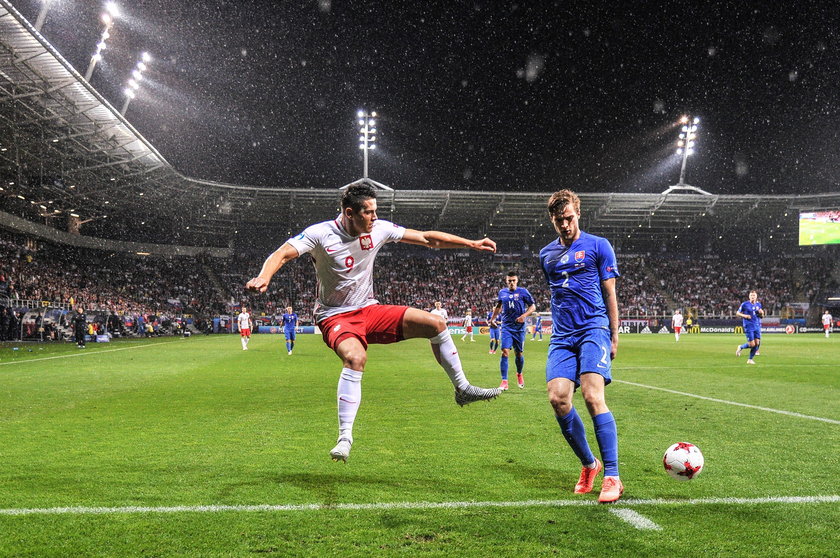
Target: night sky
x,y
503,96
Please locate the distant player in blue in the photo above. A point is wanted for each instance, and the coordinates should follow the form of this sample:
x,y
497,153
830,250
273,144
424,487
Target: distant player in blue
x,y
581,269
290,320
537,327
751,311
515,304
494,333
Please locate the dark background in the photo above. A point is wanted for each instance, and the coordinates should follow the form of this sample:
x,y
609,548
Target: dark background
x,y
502,96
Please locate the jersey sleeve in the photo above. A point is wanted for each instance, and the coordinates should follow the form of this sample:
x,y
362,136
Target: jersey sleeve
x,y
607,263
307,240
529,300
391,232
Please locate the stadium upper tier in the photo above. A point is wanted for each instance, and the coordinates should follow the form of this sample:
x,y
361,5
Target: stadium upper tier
x,y
70,159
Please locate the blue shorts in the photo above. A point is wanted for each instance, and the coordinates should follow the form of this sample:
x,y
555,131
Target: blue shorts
x,y
573,355
494,333
513,339
752,333
290,334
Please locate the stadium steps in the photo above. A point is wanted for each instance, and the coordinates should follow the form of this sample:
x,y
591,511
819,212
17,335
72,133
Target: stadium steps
x,y
654,281
215,281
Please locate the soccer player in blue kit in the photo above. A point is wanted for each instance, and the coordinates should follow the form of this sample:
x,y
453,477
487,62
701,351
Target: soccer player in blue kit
x,y
581,269
751,311
515,304
290,320
494,333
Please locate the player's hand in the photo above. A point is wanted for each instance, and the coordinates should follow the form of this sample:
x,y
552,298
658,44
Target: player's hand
x,y
613,347
484,245
257,284
520,320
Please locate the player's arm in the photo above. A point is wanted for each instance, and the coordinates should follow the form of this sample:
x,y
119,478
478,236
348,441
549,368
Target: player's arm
x,y
437,239
608,290
272,265
496,310
742,315
521,319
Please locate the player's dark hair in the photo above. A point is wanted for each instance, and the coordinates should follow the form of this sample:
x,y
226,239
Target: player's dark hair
x,y
354,197
512,273
561,199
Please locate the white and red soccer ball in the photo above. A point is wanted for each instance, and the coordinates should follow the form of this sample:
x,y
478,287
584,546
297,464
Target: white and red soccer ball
x,y
683,461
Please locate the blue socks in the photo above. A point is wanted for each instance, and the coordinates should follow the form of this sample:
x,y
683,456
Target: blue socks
x,y
607,436
745,346
503,367
753,351
520,363
572,428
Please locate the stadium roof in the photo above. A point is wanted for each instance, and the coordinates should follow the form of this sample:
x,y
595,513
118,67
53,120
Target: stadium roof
x,y
65,151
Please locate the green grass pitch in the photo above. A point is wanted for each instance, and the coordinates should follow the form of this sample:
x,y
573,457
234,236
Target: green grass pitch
x,y
176,424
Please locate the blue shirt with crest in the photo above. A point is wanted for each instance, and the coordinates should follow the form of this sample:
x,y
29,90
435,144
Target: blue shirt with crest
x,y
290,321
751,310
574,276
514,304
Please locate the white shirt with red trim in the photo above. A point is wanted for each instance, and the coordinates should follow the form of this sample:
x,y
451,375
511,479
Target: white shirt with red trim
x,y
826,319
244,320
677,320
344,263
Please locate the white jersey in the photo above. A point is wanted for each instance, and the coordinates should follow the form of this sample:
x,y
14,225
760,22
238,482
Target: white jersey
x,y
244,320
677,320
468,321
827,318
344,263
442,313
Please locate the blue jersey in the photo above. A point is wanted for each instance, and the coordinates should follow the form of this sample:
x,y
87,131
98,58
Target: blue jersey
x,y
574,276
290,321
514,304
751,310
490,317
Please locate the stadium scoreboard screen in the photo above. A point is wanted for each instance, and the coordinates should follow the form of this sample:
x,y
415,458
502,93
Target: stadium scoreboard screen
x,y
819,227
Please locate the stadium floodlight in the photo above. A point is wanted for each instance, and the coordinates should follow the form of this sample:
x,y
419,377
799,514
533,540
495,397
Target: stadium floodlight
x,y
42,15
108,17
367,137
686,142
134,80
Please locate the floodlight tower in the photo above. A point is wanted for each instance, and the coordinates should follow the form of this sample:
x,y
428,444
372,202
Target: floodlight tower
x,y
42,15
367,138
134,81
107,17
685,145
367,142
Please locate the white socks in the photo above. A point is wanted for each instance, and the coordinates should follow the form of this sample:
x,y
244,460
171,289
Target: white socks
x,y
244,342
349,398
447,355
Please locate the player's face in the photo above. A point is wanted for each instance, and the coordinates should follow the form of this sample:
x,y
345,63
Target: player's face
x,y
753,297
437,305
566,223
288,309
512,282
361,222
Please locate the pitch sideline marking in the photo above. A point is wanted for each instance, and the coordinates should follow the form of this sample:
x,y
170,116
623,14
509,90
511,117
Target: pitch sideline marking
x,y
768,409
635,519
83,354
81,510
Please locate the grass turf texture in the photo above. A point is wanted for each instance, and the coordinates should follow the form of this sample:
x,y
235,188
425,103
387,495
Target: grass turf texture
x,y
196,422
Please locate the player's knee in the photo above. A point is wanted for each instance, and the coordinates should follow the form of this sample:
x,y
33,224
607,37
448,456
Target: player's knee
x,y
562,405
355,360
438,323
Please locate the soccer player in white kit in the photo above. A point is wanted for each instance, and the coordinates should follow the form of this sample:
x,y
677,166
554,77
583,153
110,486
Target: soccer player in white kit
x,y
244,322
676,323
343,251
468,327
440,311
827,319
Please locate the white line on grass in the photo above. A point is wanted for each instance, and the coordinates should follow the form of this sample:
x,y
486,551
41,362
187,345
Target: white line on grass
x,y
81,510
635,519
86,353
779,411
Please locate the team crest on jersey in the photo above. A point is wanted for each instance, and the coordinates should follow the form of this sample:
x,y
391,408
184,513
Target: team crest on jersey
x,y
366,242
579,255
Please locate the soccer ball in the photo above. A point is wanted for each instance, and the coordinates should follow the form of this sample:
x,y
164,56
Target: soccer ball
x,y
683,461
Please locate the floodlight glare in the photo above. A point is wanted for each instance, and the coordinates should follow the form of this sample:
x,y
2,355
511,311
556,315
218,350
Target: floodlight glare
x,y
107,19
360,114
696,119
101,45
112,9
141,66
373,114
96,57
129,93
679,151
684,120
361,122
137,75
371,122
146,57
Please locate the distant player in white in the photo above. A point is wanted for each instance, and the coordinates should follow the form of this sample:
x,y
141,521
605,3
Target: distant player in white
x,y
676,323
827,320
346,311
244,322
439,311
468,327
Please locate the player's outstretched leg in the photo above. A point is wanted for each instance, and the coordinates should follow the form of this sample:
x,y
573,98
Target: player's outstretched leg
x,y
417,323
